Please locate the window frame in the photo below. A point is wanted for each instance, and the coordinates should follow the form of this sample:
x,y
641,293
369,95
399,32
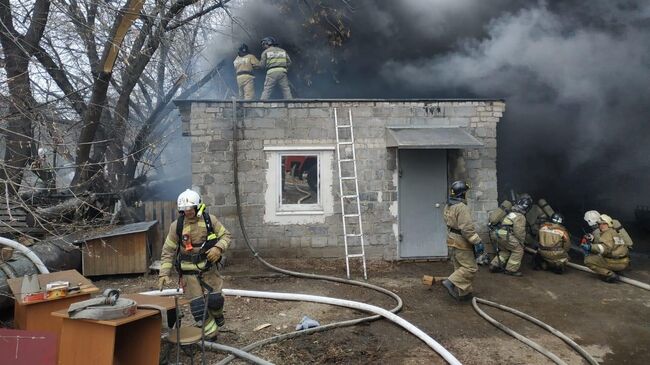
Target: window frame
x,y
292,208
277,213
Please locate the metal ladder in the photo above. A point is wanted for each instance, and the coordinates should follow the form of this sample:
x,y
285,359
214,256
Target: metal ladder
x,y
349,193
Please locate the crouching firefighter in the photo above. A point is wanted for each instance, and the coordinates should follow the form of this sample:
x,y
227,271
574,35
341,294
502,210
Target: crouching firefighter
x,y
510,235
463,242
194,245
608,254
554,245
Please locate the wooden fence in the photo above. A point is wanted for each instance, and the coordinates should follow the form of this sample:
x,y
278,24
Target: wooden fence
x,y
165,212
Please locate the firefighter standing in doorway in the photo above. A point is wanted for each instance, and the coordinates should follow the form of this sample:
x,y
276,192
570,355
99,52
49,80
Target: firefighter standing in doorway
x,y
553,247
276,61
194,245
244,63
463,242
510,235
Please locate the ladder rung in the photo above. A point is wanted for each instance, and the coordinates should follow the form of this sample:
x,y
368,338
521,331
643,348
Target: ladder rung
x,y
348,177
354,234
350,215
344,126
346,143
349,196
346,160
356,255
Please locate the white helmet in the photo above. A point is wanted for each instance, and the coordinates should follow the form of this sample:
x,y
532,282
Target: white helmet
x,y
188,199
604,218
592,217
41,152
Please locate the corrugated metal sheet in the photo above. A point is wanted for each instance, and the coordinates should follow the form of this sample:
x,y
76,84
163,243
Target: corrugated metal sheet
x,y
430,138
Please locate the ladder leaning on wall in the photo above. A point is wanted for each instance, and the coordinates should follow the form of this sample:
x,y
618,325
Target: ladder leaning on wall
x,y
349,193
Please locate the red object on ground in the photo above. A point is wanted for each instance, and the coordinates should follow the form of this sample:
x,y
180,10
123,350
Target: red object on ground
x,y
18,347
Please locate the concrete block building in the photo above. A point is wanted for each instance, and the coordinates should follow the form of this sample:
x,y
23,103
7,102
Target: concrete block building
x,y
407,153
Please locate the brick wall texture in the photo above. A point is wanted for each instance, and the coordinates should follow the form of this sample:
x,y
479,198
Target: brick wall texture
x,y
209,125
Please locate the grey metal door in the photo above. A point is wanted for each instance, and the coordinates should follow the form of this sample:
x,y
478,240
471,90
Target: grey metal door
x,y
421,200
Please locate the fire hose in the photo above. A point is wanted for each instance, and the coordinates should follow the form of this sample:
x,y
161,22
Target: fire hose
x,y
526,340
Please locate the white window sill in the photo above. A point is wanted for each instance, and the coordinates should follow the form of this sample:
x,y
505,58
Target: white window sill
x,y
299,212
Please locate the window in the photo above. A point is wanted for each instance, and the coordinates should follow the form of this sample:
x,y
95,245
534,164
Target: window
x,y
300,188
299,184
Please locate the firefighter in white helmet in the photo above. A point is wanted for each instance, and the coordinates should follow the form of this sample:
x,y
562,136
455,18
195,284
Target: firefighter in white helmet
x,y
194,245
609,253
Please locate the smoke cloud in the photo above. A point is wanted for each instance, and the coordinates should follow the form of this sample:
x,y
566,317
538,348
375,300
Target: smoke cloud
x,y
575,76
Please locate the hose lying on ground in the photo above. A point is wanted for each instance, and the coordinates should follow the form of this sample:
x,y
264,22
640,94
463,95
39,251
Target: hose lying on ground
x,y
516,335
638,284
332,301
523,315
237,352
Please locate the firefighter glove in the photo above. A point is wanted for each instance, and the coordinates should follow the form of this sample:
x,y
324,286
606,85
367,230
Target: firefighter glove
x,y
164,280
479,248
586,248
214,254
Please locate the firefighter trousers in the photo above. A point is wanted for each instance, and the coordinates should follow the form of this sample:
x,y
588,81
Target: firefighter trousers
x,y
465,269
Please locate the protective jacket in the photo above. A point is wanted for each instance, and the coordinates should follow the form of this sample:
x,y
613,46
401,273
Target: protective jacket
x,y
244,65
275,59
195,229
610,245
512,228
461,232
554,242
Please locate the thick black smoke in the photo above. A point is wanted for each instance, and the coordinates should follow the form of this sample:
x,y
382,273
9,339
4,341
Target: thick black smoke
x,y
575,76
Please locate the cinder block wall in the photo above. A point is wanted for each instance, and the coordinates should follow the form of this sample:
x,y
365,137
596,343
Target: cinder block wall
x,y
209,125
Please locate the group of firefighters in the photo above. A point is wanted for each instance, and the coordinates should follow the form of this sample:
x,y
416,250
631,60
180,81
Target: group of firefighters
x,y
606,247
196,241
274,60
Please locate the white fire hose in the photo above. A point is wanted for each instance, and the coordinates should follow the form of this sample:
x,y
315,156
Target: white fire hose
x,y
451,359
27,252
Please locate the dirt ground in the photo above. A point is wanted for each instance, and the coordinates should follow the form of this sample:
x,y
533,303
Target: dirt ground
x,y
611,321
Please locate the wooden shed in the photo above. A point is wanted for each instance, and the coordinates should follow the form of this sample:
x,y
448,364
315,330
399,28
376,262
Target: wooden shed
x,y
121,250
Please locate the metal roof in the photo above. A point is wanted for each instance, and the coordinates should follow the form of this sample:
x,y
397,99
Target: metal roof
x,y
106,232
430,138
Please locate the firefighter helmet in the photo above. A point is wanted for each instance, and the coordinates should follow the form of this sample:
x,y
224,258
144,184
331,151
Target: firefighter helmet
x,y
524,203
269,41
557,218
188,199
592,217
243,49
458,188
605,219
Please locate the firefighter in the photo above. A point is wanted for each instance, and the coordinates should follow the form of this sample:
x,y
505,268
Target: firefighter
x,y
244,63
609,253
511,235
276,61
194,245
463,242
553,247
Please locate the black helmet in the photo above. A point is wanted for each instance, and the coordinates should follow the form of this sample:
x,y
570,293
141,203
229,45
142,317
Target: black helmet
x,y
524,203
269,41
458,188
243,49
557,218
